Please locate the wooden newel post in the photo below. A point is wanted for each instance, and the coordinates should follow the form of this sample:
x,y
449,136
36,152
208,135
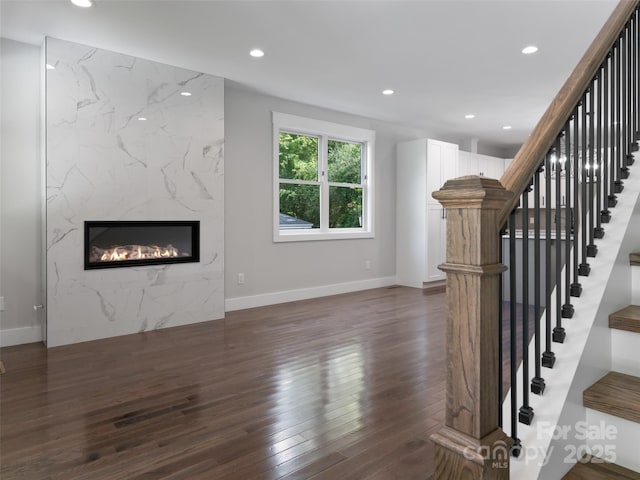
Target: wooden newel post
x,y
471,445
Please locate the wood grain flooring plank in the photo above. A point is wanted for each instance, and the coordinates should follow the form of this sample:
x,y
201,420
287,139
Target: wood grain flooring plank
x,y
337,387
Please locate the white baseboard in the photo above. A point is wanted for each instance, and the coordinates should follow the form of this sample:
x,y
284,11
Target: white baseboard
x,y
18,336
240,303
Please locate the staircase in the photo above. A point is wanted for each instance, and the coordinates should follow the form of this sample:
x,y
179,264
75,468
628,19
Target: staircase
x,y
573,404
614,400
556,439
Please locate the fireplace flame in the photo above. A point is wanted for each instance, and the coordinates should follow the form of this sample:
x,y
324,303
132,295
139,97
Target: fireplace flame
x,y
133,252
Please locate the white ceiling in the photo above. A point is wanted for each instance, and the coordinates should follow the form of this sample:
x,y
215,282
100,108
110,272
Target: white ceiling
x,y
444,59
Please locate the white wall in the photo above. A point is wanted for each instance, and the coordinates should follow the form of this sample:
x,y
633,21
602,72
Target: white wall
x,y
280,267
20,192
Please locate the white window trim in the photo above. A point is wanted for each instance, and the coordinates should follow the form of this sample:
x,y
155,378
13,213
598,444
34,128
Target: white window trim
x,y
323,129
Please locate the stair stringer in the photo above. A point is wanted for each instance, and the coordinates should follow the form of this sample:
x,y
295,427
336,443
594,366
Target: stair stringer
x,y
560,417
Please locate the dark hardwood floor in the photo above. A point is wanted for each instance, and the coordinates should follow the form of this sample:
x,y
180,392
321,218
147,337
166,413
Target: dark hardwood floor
x,y
337,388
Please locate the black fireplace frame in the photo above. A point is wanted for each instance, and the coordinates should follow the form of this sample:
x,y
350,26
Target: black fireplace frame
x,y
195,243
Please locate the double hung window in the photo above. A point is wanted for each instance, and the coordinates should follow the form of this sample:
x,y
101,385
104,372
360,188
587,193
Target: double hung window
x,y
323,185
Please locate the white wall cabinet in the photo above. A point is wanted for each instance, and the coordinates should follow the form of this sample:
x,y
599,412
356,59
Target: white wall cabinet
x,y
423,166
481,165
442,165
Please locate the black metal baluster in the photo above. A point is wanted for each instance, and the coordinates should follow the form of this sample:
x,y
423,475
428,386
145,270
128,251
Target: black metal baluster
x,y
636,56
537,384
632,87
613,176
632,77
598,232
559,333
632,90
576,287
590,164
624,169
512,324
636,72
631,74
584,268
548,357
501,334
525,414
633,105
567,308
605,214
618,184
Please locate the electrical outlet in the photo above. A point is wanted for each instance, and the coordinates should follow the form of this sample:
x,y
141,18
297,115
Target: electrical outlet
x,y
1,304
367,264
241,279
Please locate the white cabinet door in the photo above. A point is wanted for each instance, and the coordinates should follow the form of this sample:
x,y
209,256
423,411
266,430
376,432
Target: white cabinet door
x,y
442,165
411,198
481,165
492,167
436,243
449,162
435,153
467,164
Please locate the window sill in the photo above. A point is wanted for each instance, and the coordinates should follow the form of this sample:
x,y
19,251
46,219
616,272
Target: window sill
x,y
298,236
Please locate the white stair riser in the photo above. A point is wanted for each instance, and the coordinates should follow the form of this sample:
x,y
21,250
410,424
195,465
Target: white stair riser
x,y
625,347
635,285
622,443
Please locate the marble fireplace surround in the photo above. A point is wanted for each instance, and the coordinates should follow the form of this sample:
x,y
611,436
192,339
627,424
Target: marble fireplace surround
x,y
124,141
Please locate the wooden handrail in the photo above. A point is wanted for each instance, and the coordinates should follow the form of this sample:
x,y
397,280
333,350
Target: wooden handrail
x,y
528,158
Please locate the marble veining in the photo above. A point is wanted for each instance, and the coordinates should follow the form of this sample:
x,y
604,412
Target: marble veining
x,y
124,144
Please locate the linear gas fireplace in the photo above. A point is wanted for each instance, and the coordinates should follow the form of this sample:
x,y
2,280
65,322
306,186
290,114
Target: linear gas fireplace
x,y
133,243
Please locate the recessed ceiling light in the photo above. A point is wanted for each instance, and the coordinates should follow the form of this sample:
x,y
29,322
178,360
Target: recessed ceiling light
x,y
530,49
257,53
469,115
185,94
507,127
50,67
142,119
388,91
82,3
